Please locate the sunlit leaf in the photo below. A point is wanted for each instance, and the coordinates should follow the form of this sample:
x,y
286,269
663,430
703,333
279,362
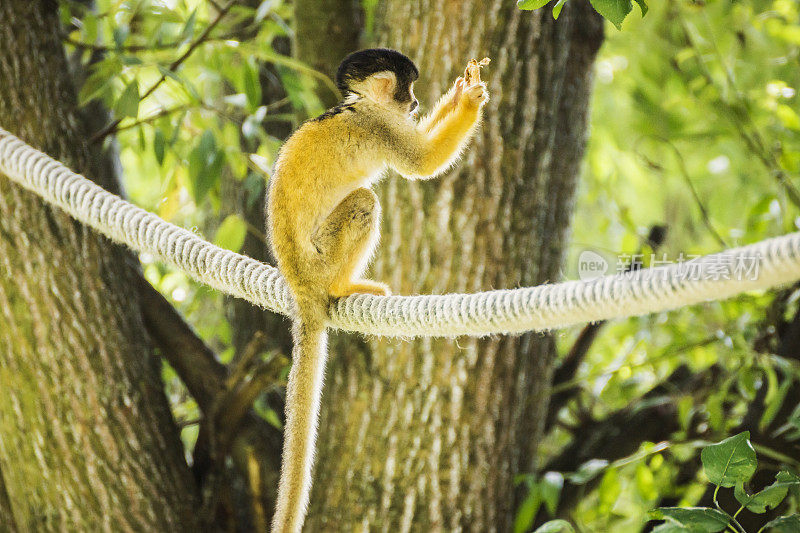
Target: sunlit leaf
x,y
550,488
159,146
558,7
788,117
120,34
252,86
526,513
93,87
613,10
555,526
89,27
128,103
188,29
529,5
231,233
205,165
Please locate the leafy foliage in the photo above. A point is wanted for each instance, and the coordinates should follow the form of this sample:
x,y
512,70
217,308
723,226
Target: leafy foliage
x,y
614,11
686,133
729,463
184,81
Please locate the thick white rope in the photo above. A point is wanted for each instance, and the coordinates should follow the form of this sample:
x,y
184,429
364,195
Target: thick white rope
x,y
714,277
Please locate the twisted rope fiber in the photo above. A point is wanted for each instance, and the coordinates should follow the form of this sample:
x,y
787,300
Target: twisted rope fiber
x,y
501,311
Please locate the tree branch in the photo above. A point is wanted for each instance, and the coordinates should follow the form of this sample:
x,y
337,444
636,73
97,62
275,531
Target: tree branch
x,y
195,363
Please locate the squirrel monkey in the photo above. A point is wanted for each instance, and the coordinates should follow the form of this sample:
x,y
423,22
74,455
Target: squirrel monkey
x,y
323,219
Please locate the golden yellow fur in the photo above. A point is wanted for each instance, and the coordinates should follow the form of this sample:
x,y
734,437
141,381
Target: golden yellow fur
x,y
323,222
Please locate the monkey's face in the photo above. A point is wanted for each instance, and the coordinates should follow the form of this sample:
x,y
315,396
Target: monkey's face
x,y
385,89
413,106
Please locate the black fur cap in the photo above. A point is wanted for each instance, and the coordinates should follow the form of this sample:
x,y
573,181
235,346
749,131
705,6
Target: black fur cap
x,y
358,66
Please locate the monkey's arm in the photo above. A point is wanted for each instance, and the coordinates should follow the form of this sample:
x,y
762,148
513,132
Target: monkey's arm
x,y
443,107
416,153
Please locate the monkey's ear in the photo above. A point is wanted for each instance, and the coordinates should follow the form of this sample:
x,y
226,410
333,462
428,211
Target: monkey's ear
x,y
383,84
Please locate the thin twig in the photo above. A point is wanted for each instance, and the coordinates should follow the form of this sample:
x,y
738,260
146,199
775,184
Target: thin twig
x,y
686,178
754,143
140,47
154,117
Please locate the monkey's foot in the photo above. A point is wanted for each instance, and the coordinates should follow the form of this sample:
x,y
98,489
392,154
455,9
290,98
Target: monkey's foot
x,y
362,286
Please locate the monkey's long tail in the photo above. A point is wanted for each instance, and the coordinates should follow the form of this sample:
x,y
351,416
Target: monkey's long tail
x,y
303,393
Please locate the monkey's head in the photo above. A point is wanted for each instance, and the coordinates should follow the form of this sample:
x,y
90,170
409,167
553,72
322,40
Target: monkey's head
x,y
382,75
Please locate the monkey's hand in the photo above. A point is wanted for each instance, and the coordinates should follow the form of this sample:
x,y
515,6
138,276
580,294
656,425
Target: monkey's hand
x,y
475,96
446,104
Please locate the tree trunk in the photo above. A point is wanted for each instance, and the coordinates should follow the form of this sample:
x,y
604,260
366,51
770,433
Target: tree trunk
x,y
87,442
326,31
428,435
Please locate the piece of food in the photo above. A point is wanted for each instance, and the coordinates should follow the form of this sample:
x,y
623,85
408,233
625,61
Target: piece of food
x,y
472,74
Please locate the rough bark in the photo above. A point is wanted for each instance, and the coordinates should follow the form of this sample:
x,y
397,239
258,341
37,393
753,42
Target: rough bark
x,y
326,31
87,442
428,435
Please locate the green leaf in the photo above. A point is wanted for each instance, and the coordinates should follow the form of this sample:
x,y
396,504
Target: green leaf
x,y
558,7
784,524
527,510
588,471
89,27
730,461
128,103
188,28
130,60
642,6
555,526
272,417
93,87
769,497
550,489
252,86
205,165
613,10
670,527
788,117
787,478
97,84
166,14
120,34
530,5
231,233
758,503
695,519
159,146
184,83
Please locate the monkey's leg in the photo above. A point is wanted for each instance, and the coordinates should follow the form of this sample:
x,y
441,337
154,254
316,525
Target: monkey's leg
x,y
346,240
